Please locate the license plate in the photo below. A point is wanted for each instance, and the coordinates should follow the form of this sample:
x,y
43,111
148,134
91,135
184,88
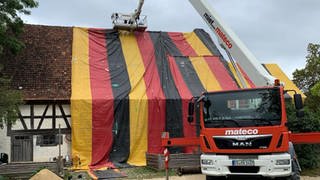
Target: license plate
x,y
243,162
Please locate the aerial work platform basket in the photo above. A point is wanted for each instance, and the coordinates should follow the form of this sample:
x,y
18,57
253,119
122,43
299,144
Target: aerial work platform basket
x,y
126,22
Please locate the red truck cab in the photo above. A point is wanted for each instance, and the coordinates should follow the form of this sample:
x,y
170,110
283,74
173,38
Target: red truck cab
x,y
244,132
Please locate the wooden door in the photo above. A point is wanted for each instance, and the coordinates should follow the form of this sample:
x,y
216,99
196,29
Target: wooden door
x,y
22,148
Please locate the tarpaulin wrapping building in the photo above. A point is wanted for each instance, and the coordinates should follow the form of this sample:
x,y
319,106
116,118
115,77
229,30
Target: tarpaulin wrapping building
x,y
128,88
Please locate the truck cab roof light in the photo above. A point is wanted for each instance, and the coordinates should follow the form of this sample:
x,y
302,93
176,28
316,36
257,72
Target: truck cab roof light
x,y
277,82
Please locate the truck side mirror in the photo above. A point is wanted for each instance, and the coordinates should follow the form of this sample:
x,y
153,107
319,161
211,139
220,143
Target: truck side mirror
x,y
298,101
190,112
299,105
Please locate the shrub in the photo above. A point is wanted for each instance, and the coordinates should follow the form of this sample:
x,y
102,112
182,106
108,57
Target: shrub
x,y
308,154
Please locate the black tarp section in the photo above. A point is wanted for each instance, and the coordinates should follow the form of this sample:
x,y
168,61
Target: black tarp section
x,y
121,88
189,75
174,124
186,68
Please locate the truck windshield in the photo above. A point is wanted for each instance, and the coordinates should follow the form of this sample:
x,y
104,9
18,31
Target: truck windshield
x,y
258,107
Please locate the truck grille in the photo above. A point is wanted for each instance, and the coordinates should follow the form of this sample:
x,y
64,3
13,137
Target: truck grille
x,y
243,142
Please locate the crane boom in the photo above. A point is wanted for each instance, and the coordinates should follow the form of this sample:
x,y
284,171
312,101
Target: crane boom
x,y
233,45
137,12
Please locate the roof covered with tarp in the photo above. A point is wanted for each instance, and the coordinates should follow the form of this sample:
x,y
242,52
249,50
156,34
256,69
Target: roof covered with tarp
x,y
42,70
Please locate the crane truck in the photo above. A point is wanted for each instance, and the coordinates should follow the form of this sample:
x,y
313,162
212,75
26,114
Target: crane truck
x,y
244,131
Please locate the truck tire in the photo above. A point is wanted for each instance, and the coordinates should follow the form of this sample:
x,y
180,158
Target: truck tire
x,y
215,177
295,171
295,175
295,164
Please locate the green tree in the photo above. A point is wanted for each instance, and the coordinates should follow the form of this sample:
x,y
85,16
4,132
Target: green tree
x,y
9,101
315,90
308,155
11,25
308,76
308,80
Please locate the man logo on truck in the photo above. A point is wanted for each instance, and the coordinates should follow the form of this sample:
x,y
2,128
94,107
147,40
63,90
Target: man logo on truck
x,y
242,144
241,132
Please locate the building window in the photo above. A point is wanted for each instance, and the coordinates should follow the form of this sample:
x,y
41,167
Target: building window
x,y
48,140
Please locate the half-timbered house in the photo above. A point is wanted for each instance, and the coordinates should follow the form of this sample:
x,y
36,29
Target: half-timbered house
x,y
42,72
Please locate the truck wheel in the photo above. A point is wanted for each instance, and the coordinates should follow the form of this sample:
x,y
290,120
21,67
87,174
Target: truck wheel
x,y
295,172
295,164
215,177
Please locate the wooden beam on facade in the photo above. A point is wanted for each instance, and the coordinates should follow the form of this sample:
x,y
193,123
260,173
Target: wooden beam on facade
x,y
43,116
22,121
64,116
53,116
40,131
38,117
32,116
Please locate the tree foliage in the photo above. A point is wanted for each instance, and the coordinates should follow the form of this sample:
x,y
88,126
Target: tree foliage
x,y
308,155
11,25
315,90
307,77
9,101
308,80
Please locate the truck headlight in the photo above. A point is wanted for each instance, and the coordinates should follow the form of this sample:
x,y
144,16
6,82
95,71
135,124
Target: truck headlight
x,y
207,162
283,162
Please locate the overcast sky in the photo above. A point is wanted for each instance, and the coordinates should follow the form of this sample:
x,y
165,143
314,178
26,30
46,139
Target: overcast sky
x,y
276,31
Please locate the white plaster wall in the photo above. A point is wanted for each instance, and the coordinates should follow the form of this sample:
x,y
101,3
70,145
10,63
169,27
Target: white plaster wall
x,y
44,154
5,142
40,154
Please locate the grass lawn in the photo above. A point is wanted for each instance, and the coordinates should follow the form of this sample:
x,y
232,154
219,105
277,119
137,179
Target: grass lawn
x,y
311,172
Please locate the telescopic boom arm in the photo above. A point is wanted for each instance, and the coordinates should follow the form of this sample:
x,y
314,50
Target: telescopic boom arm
x,y
233,45
137,12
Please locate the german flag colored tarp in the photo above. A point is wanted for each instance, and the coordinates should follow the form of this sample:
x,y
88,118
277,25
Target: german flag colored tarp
x,y
128,88
276,72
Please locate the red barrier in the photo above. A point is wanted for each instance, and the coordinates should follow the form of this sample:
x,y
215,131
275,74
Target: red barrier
x,y
305,138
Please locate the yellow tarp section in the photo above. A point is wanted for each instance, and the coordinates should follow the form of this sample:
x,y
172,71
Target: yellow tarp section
x,y
81,103
138,100
207,78
197,44
276,72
